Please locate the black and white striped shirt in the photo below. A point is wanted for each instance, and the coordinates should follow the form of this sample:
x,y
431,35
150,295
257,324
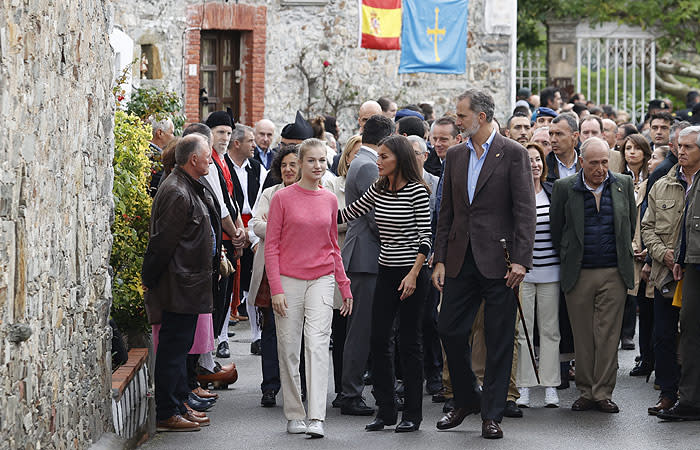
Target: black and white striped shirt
x,y
403,220
545,261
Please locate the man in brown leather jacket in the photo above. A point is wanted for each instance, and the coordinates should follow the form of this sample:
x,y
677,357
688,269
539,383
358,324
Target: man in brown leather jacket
x,y
177,274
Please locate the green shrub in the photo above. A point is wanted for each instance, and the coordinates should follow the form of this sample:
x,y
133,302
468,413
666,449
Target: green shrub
x,y
150,101
132,209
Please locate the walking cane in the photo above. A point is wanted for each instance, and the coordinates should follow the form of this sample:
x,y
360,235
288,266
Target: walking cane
x,y
520,310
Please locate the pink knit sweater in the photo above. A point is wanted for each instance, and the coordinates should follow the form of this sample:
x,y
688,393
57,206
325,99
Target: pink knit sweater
x,y
301,240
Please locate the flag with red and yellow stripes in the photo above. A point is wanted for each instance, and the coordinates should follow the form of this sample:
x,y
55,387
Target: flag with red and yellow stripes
x,y
380,24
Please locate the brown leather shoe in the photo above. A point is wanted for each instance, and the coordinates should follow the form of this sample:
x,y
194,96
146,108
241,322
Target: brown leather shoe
x,y
201,392
454,418
193,412
583,404
201,421
607,406
177,423
663,403
491,430
220,378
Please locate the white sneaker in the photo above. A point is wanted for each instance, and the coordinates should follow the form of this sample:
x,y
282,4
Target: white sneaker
x,y
551,398
315,428
524,400
296,426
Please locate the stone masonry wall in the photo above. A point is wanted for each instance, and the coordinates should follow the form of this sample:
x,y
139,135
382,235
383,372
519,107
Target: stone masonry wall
x,y
329,32
56,143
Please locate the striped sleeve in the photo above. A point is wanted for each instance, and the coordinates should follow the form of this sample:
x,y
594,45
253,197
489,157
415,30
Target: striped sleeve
x,y
421,210
359,207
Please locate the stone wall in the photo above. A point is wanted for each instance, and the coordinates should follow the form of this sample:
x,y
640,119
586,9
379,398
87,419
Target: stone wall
x,y
328,31
56,143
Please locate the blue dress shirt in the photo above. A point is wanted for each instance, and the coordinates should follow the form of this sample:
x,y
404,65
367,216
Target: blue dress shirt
x,y
475,164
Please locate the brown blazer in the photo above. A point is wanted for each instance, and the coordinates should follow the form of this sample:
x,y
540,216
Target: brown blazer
x,y
503,207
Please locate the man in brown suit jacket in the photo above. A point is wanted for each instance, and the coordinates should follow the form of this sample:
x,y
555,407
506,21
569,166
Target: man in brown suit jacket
x,y
488,195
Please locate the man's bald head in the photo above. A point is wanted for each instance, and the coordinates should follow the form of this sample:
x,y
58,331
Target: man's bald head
x,y
264,131
610,132
367,110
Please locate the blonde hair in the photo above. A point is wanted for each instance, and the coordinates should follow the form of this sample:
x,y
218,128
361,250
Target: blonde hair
x,y
343,163
304,147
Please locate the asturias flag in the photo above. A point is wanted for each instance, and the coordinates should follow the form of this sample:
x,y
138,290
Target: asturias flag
x,y
434,36
380,24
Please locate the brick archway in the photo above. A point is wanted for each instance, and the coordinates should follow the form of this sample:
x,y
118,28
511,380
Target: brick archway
x,y
252,21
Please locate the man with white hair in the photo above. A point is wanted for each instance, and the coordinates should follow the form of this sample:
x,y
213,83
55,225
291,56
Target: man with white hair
x,y
163,133
593,216
264,132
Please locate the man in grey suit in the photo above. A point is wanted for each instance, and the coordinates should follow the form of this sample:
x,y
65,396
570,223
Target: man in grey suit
x,y
360,254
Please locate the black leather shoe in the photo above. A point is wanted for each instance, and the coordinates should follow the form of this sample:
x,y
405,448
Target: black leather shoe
x,y
455,417
337,401
255,348
197,398
199,406
448,406
491,430
432,387
355,407
642,369
231,333
627,343
439,397
222,350
269,398
512,410
378,424
406,426
679,412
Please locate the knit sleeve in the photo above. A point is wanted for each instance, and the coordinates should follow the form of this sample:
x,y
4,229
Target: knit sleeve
x,y
341,278
421,211
359,207
275,220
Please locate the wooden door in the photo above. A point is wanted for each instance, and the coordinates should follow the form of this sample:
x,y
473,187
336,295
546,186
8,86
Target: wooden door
x,y
220,62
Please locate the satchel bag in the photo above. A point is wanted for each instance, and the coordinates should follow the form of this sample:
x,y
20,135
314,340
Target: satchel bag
x,y
263,299
225,266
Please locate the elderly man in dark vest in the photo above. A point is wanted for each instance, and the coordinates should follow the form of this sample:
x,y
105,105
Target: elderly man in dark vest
x,y
592,220
178,271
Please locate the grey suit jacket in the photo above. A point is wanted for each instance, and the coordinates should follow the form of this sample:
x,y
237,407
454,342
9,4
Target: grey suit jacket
x,y
361,248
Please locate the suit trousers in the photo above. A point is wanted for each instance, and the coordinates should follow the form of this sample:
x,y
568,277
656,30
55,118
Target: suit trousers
x,y
268,350
477,343
356,351
646,325
309,308
546,297
462,297
387,303
432,351
629,316
596,305
174,341
689,385
666,345
338,332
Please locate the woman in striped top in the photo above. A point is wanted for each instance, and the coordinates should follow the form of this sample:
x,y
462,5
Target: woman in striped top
x,y
541,287
401,203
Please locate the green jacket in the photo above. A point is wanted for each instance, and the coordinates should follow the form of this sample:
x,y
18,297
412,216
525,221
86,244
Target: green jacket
x,y
567,221
691,253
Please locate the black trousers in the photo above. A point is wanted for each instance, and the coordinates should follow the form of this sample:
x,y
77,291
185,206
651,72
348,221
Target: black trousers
x,y
629,317
432,350
387,303
646,324
666,345
268,349
222,295
339,328
175,340
461,299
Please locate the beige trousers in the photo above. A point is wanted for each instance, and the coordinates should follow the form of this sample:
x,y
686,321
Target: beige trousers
x,y
546,296
595,307
478,345
309,308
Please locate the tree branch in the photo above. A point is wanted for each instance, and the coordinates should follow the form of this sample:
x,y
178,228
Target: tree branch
x,y
678,68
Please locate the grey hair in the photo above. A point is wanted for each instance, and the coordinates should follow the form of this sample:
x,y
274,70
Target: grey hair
x,y
420,141
479,102
570,121
691,130
199,128
329,137
162,124
239,132
187,146
676,128
590,141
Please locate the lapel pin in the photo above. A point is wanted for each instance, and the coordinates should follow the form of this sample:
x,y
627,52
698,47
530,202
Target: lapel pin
x,y
619,189
497,155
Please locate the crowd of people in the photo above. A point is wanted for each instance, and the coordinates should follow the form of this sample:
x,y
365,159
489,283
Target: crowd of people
x,y
480,263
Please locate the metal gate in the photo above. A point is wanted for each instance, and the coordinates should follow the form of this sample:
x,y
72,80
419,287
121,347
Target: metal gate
x,y
617,67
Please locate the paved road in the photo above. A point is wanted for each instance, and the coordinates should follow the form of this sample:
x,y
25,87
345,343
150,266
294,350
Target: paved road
x,y
238,421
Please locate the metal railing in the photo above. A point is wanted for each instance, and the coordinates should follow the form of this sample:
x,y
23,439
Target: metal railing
x,y
531,70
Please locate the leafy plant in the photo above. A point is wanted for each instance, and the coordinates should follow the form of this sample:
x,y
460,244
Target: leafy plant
x,y
146,102
132,206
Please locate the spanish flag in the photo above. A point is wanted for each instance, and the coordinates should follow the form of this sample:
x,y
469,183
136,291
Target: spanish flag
x,y
380,24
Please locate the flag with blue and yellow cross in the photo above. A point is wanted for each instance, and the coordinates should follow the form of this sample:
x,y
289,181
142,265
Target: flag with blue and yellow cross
x,y
434,36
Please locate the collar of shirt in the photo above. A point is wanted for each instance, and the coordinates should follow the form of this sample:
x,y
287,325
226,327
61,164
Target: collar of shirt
x,y
688,182
486,145
261,151
245,164
564,165
600,188
371,150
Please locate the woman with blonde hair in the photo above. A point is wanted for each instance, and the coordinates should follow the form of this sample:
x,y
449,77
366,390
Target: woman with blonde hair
x,y
301,274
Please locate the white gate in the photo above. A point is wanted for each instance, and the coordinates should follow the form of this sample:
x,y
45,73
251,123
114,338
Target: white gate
x,y
616,66
531,71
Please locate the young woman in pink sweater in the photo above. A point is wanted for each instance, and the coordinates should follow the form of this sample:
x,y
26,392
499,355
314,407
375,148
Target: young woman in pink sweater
x,y
302,260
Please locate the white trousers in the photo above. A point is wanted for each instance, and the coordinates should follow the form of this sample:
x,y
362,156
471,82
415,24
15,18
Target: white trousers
x,y
255,330
309,308
546,296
